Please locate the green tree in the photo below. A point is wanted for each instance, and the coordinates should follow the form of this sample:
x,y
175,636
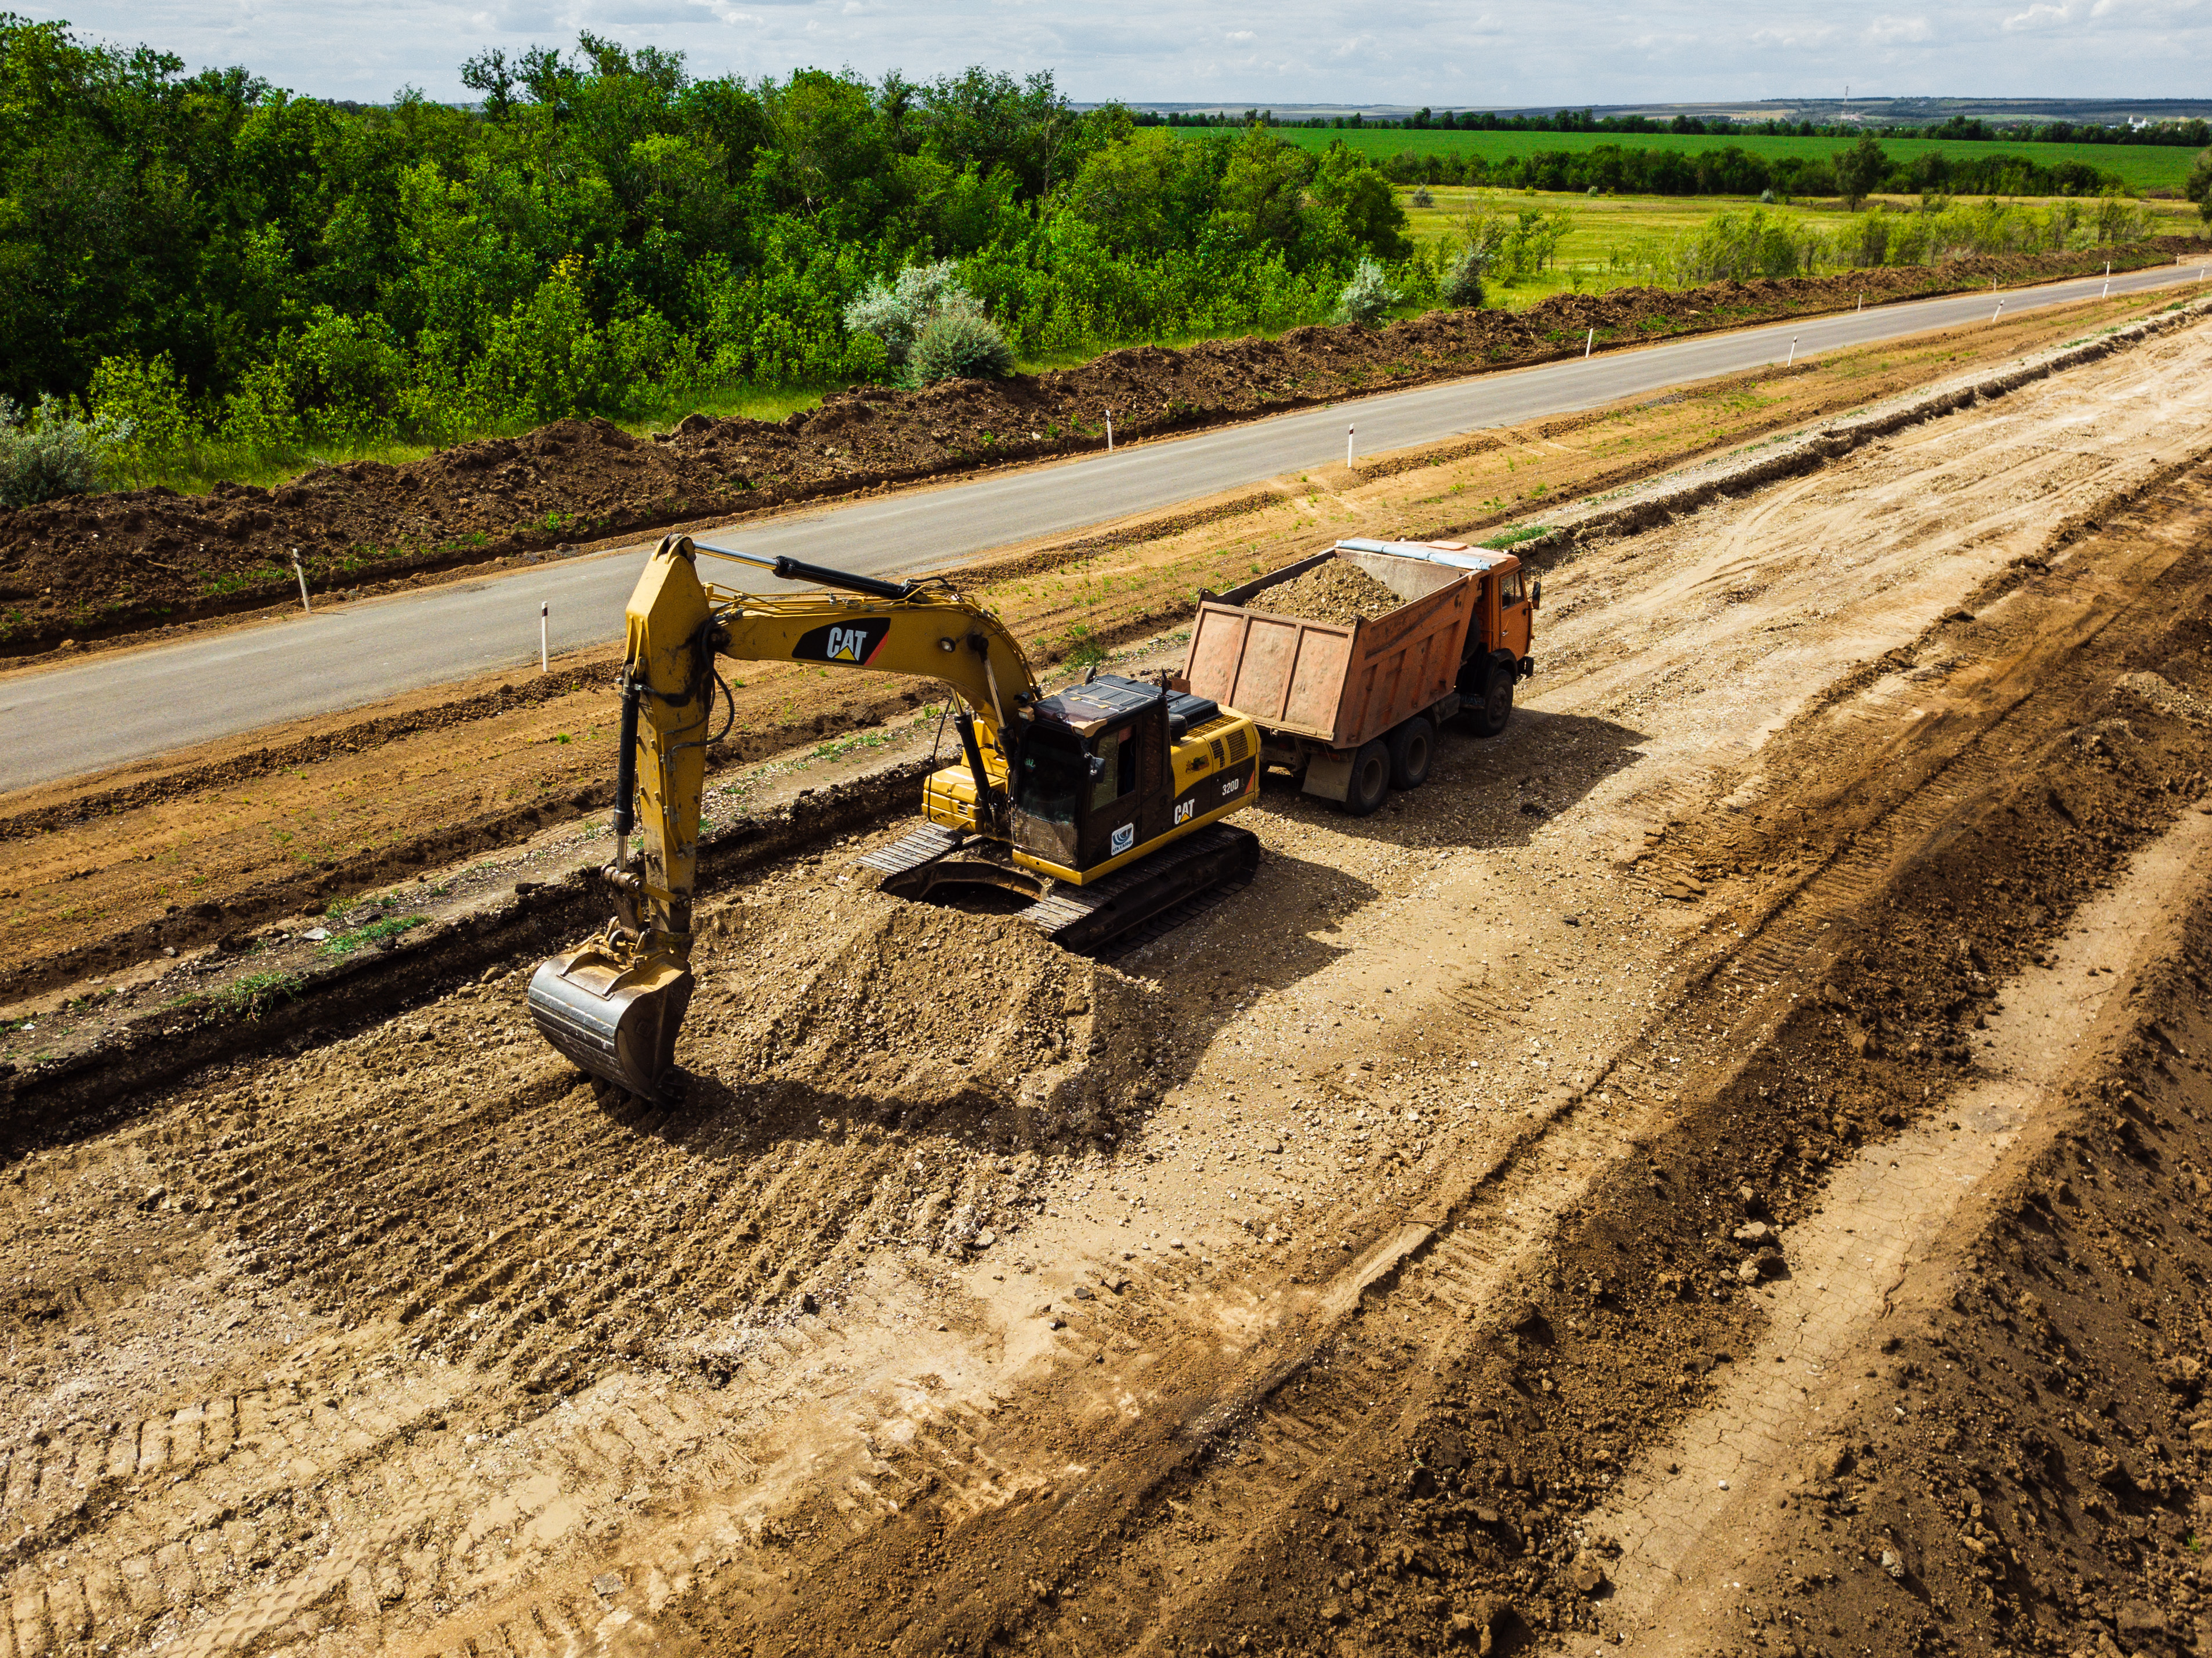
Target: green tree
x,y
1361,197
1261,202
1860,170
2198,189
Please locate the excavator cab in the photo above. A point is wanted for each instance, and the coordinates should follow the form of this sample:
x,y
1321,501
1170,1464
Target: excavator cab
x,y
1091,778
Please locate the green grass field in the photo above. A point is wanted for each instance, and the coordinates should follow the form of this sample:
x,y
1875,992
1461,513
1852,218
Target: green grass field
x,y
2145,166
1607,225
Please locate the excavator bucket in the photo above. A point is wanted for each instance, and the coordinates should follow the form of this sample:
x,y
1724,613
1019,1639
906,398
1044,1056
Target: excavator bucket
x,y
616,1019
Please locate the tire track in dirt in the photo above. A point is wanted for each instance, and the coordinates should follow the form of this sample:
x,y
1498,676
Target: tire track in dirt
x,y
1871,1244
857,1446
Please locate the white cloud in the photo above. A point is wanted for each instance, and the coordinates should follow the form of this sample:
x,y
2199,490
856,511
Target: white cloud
x,y
1443,54
1888,31
1793,36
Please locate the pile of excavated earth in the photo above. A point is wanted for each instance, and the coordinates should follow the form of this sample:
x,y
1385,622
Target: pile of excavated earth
x,y
1725,1167
1337,592
100,565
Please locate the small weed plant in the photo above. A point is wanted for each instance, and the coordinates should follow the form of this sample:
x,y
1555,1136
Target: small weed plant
x,y
391,926
252,992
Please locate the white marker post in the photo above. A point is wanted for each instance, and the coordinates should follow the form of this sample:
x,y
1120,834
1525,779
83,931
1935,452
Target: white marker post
x,y
299,571
1792,363
1999,312
2107,293
1109,431
1348,445
1862,306
544,610
1588,342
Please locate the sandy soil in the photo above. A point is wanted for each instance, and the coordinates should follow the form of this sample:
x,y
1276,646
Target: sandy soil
x,y
101,566
1533,1214
100,875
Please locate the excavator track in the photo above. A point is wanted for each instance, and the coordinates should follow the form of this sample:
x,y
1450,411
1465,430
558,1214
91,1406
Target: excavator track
x,y
1110,917
1092,920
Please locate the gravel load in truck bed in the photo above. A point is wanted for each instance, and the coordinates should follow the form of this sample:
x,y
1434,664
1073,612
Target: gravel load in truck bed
x,y
1337,592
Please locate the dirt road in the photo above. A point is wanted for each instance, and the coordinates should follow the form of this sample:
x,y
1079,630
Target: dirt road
x,y
1534,1213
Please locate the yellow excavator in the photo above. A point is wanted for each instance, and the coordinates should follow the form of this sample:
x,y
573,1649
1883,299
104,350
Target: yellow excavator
x,y
1101,805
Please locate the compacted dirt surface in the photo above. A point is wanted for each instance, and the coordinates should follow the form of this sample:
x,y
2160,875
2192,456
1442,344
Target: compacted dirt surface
x,y
1721,1167
101,566
102,874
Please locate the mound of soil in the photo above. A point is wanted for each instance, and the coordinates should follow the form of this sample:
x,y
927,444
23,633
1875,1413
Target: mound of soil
x,y
94,566
1336,592
902,1013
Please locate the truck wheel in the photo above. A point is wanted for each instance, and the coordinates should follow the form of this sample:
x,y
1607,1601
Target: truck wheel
x,y
1497,704
1413,749
1371,780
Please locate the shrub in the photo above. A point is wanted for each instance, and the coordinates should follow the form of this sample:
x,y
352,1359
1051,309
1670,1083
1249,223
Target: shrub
x,y
1421,198
897,312
50,453
1462,287
959,344
1367,297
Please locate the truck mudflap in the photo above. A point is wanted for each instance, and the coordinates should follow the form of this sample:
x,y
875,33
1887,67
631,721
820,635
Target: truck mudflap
x,y
1328,774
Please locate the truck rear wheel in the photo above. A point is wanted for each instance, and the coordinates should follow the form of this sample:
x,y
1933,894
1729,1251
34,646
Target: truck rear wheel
x,y
1412,751
1371,780
1496,704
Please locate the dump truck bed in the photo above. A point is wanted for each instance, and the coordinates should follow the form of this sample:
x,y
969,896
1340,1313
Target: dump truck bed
x,y
1330,683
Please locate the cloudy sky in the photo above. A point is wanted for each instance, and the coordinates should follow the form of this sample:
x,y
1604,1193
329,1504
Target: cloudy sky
x,y
1416,52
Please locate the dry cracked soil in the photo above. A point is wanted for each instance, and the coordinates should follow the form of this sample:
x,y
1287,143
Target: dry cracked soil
x,y
1723,1167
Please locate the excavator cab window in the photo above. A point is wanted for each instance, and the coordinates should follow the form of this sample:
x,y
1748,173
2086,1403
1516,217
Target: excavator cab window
x,y
1052,773
1113,768
1092,779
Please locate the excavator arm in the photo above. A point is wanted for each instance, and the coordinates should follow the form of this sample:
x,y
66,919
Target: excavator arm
x,y
614,1005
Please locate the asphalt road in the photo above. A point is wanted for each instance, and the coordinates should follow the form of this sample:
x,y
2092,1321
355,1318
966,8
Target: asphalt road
x,y
112,709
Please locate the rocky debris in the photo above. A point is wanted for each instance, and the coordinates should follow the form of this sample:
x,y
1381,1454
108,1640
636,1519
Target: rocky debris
x,y
1338,591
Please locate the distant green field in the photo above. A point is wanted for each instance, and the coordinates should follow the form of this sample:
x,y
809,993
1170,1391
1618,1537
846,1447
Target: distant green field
x,y
2145,166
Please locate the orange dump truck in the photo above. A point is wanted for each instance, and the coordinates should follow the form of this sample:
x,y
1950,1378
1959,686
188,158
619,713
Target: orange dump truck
x,y
1355,707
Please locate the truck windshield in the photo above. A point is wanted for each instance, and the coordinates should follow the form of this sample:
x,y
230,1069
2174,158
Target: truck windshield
x,y
1052,773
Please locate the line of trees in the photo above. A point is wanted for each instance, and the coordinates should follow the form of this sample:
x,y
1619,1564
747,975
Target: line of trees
x,y
204,252
2193,134
1863,170
213,276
